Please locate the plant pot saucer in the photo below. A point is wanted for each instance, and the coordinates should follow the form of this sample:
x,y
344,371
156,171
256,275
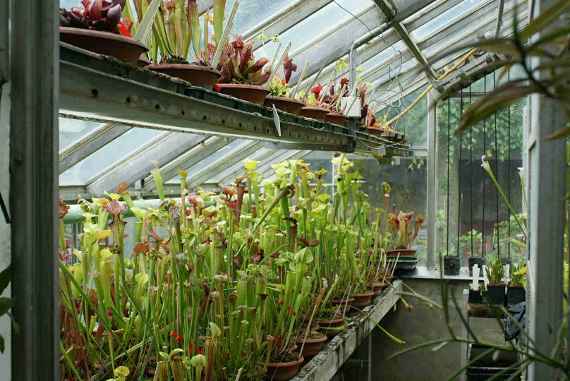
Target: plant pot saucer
x,y
110,44
331,323
314,112
251,93
283,371
197,75
290,105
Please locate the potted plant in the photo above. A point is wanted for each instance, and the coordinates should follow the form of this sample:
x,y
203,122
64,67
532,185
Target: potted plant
x,y
516,292
314,107
97,26
177,32
405,228
280,93
242,76
496,288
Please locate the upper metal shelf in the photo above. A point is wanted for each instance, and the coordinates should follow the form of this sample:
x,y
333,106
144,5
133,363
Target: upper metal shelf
x,y
100,88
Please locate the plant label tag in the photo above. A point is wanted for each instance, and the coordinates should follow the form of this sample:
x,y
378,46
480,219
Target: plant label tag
x,y
277,121
382,151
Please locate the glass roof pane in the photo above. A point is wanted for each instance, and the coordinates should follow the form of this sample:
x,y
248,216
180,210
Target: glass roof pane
x,y
446,18
253,12
324,20
72,130
118,149
213,157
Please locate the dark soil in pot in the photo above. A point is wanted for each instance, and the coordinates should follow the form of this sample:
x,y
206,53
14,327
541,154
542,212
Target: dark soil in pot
x,y
363,299
515,295
283,371
496,294
290,105
451,265
313,345
197,75
110,44
251,93
314,112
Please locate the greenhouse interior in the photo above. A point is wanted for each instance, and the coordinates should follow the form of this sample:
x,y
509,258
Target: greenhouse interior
x,y
234,190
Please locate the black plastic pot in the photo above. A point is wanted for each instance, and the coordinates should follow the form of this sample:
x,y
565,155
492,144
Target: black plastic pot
x,y
475,261
475,297
496,294
515,295
451,265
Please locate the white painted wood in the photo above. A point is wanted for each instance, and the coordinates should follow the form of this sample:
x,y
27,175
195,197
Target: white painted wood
x,y
547,183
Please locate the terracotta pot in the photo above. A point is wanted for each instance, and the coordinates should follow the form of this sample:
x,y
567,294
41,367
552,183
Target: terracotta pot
x,y
286,104
203,76
378,287
110,44
336,118
251,93
401,252
363,299
314,112
282,371
331,323
313,345
343,302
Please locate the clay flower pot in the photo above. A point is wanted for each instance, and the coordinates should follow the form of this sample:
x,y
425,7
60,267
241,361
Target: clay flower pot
x,y
378,287
290,105
251,93
110,44
282,371
313,345
336,118
331,323
363,299
344,302
401,252
313,112
197,75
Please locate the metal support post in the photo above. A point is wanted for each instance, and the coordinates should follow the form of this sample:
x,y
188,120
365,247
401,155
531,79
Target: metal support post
x,y
431,180
33,185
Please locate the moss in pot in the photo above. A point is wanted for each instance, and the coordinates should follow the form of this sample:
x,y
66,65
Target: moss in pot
x,y
98,26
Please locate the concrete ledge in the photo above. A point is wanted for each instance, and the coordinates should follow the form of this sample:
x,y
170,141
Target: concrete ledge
x,y
325,365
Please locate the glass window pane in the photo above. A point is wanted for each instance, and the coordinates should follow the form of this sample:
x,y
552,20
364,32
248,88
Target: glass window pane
x,y
414,123
72,130
118,149
251,13
324,20
446,18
